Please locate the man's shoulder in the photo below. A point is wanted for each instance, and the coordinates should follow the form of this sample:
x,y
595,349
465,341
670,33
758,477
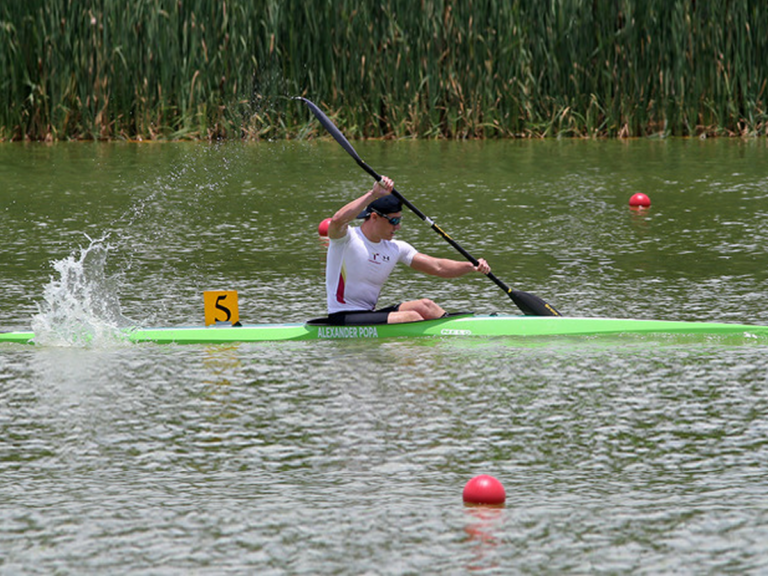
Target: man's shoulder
x,y
400,244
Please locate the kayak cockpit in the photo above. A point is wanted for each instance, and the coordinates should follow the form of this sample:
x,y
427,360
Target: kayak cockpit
x,y
325,321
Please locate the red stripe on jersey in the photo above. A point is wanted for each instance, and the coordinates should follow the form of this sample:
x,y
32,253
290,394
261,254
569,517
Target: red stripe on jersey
x,y
340,289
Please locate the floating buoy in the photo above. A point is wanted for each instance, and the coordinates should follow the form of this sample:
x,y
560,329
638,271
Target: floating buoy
x,y
639,200
322,228
484,490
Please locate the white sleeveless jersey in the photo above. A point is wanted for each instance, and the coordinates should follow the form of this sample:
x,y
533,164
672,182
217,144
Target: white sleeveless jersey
x,y
357,268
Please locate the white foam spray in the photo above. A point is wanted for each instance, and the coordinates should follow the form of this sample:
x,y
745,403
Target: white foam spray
x,y
81,307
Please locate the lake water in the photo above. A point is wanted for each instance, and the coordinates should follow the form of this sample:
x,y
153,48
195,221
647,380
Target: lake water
x,y
618,455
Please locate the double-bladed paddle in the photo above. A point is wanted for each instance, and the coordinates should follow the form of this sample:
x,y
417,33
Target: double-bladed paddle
x,y
530,304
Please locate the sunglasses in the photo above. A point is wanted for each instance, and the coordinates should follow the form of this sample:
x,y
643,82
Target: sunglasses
x,y
394,221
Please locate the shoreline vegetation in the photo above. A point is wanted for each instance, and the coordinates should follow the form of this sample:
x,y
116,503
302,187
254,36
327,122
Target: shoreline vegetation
x,y
226,69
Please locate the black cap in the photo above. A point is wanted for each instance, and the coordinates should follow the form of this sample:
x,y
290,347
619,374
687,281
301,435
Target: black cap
x,y
388,204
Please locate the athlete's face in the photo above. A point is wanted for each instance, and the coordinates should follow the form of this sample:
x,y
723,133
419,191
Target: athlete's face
x,y
384,223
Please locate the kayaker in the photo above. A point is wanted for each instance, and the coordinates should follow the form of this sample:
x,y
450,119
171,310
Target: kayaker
x,y
360,259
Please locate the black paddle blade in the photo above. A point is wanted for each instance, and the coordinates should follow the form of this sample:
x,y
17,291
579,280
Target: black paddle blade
x,y
532,305
331,127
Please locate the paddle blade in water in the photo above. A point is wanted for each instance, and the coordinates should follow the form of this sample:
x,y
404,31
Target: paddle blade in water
x,y
532,305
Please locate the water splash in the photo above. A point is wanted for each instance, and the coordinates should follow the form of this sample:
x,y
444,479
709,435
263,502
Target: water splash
x,y
81,306
146,242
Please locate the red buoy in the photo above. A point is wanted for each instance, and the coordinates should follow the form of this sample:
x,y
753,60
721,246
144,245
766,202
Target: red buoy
x,y
322,228
639,200
484,490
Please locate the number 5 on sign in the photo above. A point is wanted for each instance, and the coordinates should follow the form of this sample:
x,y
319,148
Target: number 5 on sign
x,y
220,306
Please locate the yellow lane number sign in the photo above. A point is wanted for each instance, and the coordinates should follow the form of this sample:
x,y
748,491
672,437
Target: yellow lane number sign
x,y
221,306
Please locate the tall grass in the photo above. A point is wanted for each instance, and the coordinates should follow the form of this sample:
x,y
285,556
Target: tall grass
x,y
392,68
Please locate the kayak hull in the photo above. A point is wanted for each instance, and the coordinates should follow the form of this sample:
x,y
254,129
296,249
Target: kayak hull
x,y
452,327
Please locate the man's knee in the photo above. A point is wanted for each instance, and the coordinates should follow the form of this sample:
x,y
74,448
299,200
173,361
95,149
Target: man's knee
x,y
428,309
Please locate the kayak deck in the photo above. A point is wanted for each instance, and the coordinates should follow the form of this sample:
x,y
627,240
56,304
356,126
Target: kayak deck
x,y
451,327
467,326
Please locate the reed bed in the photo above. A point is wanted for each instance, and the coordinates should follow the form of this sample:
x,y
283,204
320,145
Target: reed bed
x,y
149,69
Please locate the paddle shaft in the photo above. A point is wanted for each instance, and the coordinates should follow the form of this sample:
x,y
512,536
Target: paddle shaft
x,y
530,304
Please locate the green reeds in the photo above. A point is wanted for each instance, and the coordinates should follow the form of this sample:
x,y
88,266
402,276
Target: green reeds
x,y
101,69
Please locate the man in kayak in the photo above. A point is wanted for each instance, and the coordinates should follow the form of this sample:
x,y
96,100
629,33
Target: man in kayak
x,y
361,258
